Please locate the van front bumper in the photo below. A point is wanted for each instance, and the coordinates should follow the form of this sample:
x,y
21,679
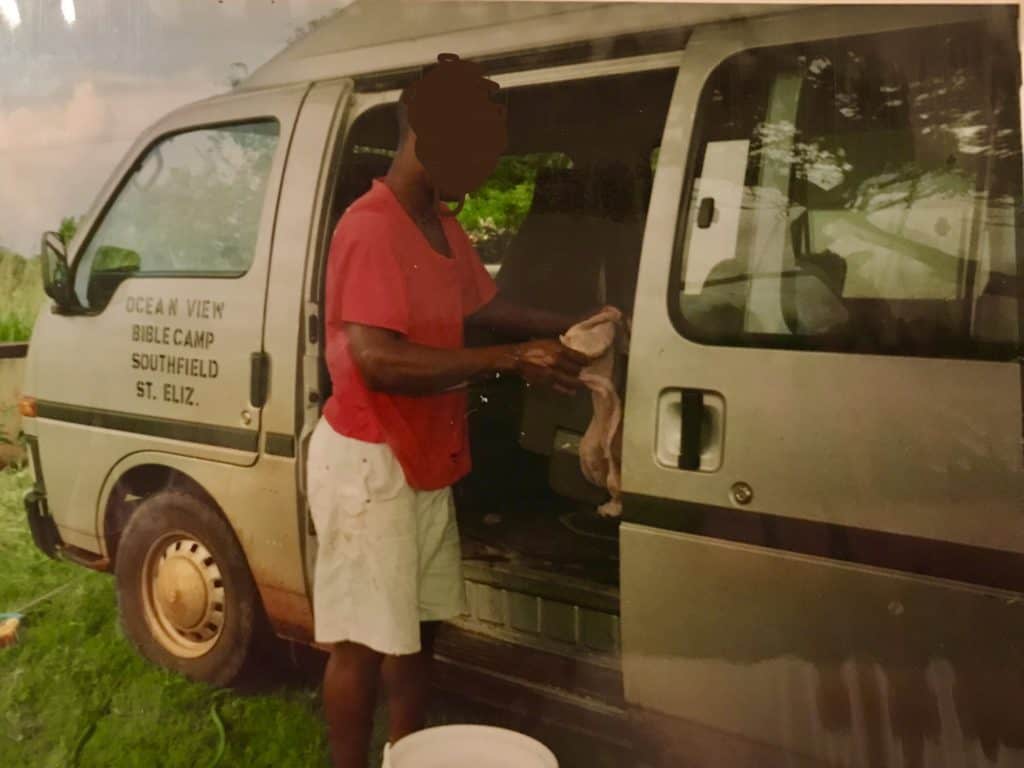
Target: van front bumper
x,y
44,529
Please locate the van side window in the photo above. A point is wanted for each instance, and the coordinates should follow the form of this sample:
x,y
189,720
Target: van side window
x,y
493,214
560,221
191,207
858,195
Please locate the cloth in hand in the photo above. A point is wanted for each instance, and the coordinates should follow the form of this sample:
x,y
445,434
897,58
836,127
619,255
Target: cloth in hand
x,y
599,338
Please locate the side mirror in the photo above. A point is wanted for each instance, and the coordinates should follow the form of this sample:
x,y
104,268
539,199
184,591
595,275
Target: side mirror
x,y
111,267
56,274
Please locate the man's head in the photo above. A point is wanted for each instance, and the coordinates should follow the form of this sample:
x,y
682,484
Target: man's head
x,y
451,124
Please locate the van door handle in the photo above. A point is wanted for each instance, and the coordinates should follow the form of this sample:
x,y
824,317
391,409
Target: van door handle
x,y
706,212
259,378
690,430
692,412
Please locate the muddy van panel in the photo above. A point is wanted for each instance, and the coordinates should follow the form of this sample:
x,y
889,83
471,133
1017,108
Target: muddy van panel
x,y
843,664
258,502
823,560
161,357
261,502
906,459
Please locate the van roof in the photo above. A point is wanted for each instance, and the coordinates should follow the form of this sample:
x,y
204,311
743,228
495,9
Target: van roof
x,y
372,37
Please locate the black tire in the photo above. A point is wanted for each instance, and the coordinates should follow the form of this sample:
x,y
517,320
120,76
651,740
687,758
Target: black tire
x,y
174,527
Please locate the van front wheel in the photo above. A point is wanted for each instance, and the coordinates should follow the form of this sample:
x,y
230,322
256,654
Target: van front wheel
x,y
185,595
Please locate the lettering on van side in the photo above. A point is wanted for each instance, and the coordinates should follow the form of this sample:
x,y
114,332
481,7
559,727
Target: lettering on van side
x,y
170,364
181,394
171,336
201,309
194,367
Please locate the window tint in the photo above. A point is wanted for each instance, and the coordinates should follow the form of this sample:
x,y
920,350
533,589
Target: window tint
x,y
858,195
192,206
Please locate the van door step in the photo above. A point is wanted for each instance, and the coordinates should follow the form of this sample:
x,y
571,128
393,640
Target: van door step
x,y
519,576
536,608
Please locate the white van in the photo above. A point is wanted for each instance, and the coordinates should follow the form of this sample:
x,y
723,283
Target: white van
x,y
811,215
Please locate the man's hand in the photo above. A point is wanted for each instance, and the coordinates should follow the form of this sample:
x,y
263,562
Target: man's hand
x,y
550,363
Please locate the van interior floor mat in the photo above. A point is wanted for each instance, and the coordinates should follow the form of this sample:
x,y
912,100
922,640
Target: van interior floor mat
x,y
570,542
508,511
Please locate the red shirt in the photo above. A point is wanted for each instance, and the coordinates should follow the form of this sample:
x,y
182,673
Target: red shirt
x,y
382,272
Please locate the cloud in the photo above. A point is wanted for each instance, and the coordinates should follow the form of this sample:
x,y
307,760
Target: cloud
x,y
83,117
98,111
54,158
41,190
74,97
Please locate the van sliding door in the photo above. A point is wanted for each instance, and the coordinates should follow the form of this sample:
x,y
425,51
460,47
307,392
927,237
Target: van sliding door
x,y
823,459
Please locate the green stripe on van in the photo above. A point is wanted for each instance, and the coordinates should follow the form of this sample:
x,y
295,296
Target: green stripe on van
x,y
278,444
172,429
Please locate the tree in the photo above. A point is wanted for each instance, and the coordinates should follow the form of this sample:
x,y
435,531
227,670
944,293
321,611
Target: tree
x,y
493,213
67,229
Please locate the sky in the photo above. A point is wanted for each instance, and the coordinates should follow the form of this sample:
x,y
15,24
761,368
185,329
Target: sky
x,y
80,79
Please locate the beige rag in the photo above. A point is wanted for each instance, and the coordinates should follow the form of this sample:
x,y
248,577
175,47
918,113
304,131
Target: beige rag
x,y
599,337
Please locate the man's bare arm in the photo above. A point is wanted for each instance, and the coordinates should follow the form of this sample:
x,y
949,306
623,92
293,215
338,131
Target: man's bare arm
x,y
518,321
390,363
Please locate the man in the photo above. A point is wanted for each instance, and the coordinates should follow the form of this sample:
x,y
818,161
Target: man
x,y
402,280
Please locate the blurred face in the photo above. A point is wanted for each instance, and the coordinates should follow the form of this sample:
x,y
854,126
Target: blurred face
x,y
461,153
457,127
444,194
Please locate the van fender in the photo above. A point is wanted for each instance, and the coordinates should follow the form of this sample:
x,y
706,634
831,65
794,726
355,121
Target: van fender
x,y
257,501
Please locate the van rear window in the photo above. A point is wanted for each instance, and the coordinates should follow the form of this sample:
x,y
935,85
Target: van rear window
x,y
192,206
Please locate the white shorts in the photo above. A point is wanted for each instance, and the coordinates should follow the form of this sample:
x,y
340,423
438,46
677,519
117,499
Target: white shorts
x,y
388,556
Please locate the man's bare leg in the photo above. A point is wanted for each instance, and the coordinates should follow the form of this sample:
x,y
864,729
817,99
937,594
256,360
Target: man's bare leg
x,y
407,683
350,693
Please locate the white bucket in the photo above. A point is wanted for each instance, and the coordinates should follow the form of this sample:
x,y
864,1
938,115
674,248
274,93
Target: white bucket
x,y
469,746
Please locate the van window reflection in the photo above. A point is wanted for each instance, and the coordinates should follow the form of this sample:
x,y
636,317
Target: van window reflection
x,y
861,196
192,207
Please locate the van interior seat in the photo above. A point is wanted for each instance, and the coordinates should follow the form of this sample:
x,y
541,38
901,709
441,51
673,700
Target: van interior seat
x,y
575,258
615,209
579,245
548,264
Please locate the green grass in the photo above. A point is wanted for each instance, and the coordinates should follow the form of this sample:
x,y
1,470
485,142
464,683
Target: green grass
x,y
71,669
14,328
21,293
72,673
